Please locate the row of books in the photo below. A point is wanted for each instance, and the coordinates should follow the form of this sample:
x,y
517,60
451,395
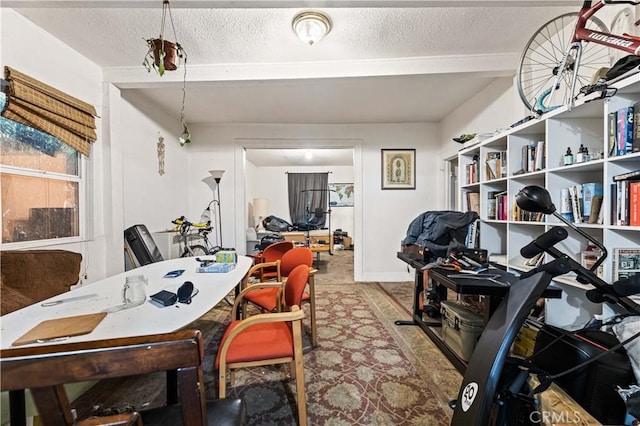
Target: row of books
x,y
624,130
582,203
497,205
524,216
472,173
496,164
625,194
532,159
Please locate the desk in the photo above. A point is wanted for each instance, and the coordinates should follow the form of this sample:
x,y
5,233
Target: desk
x,y
138,321
494,291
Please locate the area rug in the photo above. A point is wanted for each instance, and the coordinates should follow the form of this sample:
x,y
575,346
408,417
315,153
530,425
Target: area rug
x,y
365,371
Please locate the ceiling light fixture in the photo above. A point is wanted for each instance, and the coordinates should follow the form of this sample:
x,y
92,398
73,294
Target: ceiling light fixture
x,y
311,26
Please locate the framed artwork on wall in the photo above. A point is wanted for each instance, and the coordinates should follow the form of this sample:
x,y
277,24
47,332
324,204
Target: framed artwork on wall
x,y
398,168
341,194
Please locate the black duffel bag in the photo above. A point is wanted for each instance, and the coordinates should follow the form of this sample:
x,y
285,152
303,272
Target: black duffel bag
x,y
269,239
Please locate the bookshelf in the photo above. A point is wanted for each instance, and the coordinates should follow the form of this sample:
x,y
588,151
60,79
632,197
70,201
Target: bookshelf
x,y
586,124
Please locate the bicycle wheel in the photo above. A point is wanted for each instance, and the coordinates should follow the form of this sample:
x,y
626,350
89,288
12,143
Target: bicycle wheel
x,y
543,55
198,250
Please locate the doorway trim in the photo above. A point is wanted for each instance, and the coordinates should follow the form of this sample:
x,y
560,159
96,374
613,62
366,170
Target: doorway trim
x,y
241,144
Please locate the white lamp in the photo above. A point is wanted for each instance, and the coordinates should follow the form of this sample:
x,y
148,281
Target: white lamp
x,y
260,210
311,27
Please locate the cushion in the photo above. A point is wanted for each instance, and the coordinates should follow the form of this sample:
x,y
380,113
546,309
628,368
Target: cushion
x,y
12,299
40,274
262,341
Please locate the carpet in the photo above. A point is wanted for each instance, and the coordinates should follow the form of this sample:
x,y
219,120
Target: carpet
x,y
365,371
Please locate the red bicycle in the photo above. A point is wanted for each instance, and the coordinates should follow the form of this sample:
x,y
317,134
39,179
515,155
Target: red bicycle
x,y
564,55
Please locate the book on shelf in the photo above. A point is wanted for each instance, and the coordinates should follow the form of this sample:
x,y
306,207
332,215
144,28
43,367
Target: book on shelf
x,y
626,262
634,203
517,214
496,164
575,194
625,205
625,130
473,201
591,208
502,205
538,156
635,144
612,126
473,235
535,261
566,209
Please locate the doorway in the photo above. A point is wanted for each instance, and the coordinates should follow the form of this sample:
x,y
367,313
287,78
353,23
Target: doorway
x,y
262,166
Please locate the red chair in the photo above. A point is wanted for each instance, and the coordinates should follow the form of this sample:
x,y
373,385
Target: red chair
x,y
268,339
267,298
269,255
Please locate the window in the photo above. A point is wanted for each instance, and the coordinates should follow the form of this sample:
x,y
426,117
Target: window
x,y
41,185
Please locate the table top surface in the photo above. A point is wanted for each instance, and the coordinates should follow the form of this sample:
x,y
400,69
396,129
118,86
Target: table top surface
x,y
145,319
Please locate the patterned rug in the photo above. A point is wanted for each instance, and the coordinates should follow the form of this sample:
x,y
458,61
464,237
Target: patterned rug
x,y
365,371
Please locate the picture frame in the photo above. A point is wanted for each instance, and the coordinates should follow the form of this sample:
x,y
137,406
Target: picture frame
x,y
341,194
398,168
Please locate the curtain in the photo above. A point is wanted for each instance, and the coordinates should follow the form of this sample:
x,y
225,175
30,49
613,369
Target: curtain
x,y
50,110
308,198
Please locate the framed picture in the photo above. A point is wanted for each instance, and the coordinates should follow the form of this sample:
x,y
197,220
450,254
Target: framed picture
x,y
398,169
341,194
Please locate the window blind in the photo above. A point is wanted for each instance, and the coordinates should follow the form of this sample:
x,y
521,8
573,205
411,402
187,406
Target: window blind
x,y
50,110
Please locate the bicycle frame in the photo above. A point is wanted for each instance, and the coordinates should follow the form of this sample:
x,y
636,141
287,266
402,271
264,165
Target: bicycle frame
x,y
625,43
622,42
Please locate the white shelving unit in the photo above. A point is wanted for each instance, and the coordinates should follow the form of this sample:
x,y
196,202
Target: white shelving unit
x,y
586,124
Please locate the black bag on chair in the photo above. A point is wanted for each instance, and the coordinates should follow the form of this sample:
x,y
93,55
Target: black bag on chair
x,y
267,240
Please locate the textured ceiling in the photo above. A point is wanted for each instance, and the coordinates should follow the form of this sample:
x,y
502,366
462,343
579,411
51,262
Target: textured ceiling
x,y
383,61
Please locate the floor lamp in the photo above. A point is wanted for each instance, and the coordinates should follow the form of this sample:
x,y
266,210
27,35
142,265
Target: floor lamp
x,y
213,182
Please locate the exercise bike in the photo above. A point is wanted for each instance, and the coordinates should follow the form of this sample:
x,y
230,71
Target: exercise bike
x,y
493,386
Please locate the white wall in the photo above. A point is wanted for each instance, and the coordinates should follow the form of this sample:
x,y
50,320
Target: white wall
x,y
384,215
150,198
495,107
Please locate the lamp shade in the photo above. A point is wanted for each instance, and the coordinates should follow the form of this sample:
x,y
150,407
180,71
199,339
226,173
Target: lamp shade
x,y
260,207
211,182
216,174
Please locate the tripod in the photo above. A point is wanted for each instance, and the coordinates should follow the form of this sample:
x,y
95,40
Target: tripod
x,y
318,213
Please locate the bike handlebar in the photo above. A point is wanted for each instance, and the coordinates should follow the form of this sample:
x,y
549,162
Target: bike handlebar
x,y
183,226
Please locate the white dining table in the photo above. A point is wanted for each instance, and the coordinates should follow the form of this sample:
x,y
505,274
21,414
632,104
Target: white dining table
x,y
145,319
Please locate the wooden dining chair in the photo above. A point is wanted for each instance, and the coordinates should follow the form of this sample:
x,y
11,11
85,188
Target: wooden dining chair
x,y
45,369
267,339
267,298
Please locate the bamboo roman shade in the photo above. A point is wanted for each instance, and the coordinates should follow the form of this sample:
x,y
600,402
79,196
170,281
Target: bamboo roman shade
x,y
50,110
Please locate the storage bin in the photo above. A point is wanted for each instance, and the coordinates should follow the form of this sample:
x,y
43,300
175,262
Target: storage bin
x,y
461,328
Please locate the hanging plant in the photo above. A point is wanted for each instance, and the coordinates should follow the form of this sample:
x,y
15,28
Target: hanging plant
x,y
164,55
